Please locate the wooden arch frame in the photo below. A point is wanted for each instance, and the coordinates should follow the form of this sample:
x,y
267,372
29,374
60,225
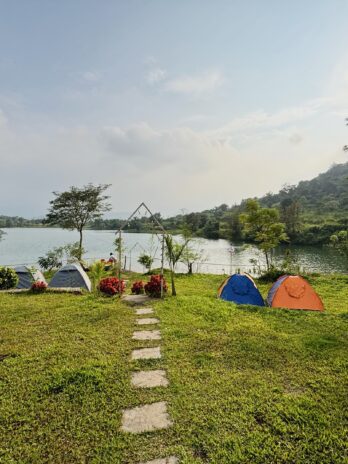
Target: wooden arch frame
x,y
126,223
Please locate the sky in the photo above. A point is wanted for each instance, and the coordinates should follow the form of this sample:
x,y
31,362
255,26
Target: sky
x,y
182,104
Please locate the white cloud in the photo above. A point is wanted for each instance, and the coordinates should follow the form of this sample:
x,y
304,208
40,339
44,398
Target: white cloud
x,y
263,120
195,85
152,149
156,75
175,167
91,76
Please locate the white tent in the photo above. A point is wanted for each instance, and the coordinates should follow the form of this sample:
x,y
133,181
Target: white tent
x,y
27,276
72,276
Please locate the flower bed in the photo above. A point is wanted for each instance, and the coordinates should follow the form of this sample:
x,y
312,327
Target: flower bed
x,y
112,286
138,287
153,287
38,287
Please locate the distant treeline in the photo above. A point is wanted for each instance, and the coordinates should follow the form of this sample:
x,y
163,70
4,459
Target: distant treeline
x,y
17,221
312,211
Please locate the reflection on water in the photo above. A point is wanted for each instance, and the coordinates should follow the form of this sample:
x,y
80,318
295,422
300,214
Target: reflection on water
x,y
25,245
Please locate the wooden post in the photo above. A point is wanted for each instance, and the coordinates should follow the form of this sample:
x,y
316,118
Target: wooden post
x,y
162,265
119,260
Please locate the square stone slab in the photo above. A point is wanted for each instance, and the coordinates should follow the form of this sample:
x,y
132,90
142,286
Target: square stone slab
x,y
147,335
141,311
147,353
146,418
148,321
169,460
136,299
149,379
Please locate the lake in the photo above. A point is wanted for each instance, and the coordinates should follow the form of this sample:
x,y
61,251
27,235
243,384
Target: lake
x,y
25,245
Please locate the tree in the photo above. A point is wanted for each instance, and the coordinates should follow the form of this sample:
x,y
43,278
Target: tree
x,y
2,233
54,258
290,215
262,225
77,207
340,242
174,252
146,261
211,229
190,256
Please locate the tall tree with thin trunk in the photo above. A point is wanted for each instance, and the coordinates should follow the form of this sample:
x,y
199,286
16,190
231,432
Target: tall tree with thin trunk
x,y
77,207
264,227
174,252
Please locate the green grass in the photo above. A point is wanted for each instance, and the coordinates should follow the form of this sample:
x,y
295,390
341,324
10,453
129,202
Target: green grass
x,y
247,384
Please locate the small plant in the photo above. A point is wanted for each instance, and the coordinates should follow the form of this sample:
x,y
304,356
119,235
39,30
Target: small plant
x,y
271,275
138,287
39,286
112,286
8,278
52,259
146,261
73,252
153,288
97,272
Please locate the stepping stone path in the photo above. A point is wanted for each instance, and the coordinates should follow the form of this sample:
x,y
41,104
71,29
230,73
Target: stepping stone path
x,y
147,353
142,311
136,299
148,321
149,417
147,335
146,418
170,460
149,379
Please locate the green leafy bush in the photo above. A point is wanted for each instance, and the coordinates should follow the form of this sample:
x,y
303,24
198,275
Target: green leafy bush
x,y
8,278
271,275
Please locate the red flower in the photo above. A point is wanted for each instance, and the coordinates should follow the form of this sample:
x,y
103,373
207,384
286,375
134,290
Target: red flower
x,y
38,287
153,288
138,287
111,286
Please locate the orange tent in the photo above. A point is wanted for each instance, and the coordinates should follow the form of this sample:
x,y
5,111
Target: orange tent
x,y
294,292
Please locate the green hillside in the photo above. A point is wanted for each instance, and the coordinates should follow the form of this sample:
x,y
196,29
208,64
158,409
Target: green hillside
x,y
311,210
325,195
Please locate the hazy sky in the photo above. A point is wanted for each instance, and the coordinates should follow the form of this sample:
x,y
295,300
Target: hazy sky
x,y
182,104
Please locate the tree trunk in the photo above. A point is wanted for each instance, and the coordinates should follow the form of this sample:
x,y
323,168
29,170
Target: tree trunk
x,y
80,245
267,260
190,265
173,283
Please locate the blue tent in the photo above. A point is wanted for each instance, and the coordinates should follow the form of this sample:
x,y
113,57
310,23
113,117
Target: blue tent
x,y
241,289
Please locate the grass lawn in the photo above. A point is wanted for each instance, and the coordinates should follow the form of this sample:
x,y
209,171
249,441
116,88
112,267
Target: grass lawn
x,y
247,385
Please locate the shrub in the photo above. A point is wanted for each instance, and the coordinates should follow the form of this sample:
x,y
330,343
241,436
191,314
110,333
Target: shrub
x,y
271,275
111,286
8,278
153,288
138,287
146,261
52,259
97,272
39,286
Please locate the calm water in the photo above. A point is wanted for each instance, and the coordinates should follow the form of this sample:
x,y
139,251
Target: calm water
x,y
24,246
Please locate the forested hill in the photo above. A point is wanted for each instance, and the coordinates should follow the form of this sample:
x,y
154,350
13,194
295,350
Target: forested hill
x,y
311,211
326,194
